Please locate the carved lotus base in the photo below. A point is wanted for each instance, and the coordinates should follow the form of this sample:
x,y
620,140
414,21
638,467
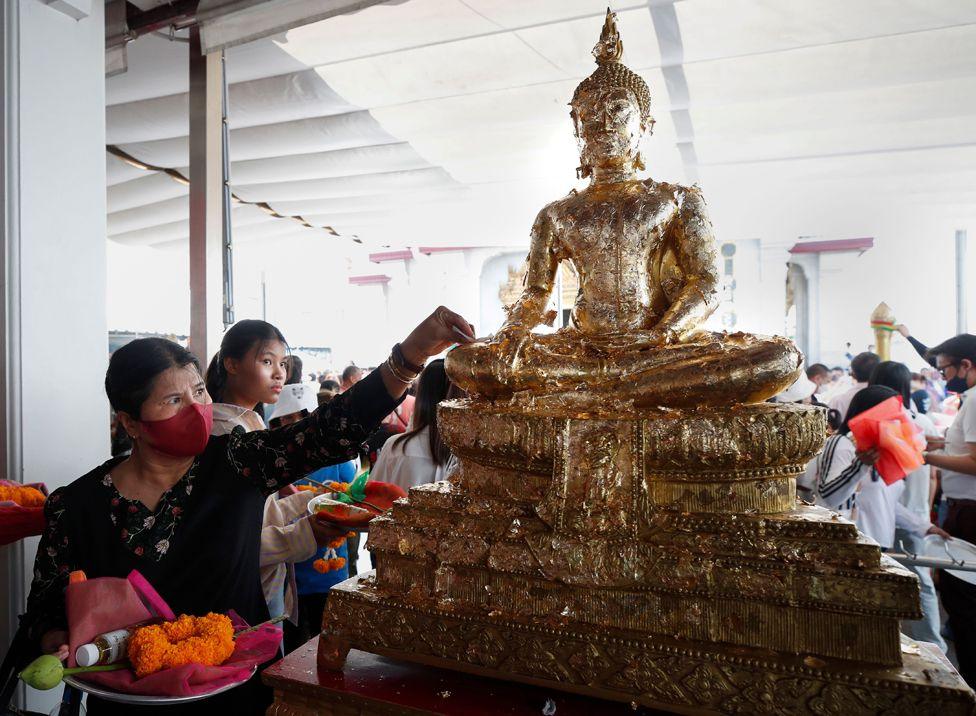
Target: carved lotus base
x,y
659,558
615,664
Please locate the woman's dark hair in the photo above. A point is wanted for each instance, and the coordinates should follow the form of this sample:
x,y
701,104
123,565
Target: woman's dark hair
x,y
328,385
833,419
133,369
432,388
239,340
865,399
896,376
862,365
294,370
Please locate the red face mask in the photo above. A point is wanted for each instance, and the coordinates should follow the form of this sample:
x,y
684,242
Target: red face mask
x,y
185,434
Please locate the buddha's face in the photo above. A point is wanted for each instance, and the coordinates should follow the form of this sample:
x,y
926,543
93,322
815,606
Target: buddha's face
x,y
608,126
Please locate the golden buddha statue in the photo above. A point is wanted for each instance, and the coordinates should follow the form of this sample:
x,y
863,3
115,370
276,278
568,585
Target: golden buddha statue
x,y
590,541
646,260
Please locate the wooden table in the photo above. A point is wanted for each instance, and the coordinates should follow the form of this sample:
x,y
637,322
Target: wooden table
x,y
375,686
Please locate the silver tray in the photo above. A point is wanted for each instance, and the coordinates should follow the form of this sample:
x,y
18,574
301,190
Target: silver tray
x,y
145,700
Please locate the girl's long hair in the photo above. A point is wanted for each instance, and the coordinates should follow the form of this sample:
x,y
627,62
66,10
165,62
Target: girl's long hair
x,y
896,376
238,341
863,400
432,387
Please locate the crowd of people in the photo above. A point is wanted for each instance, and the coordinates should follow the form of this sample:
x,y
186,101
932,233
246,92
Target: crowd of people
x,y
936,498
212,472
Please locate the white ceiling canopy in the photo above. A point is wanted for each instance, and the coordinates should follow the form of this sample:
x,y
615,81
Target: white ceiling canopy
x,y
225,23
446,121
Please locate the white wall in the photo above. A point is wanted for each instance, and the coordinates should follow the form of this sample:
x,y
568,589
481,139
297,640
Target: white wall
x,y
911,266
62,271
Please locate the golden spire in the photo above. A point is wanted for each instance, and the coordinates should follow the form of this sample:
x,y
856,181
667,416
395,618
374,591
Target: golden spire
x,y
883,325
611,73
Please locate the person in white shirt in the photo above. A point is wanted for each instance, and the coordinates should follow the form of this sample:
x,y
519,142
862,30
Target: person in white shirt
x,y
916,497
956,360
861,366
419,456
843,479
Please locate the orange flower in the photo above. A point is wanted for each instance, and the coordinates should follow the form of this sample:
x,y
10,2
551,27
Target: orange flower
x,y
23,496
339,486
328,565
207,640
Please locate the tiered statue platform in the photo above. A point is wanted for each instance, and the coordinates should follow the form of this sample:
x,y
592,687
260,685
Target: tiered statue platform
x,y
659,559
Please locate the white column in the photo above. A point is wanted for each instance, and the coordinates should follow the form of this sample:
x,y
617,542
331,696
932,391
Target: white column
x,y
55,339
962,323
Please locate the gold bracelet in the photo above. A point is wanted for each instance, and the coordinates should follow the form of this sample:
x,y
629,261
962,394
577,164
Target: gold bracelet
x,y
398,355
402,369
397,374
393,372
399,364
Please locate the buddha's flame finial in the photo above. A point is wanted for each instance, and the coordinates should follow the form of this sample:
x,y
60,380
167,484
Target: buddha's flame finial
x,y
610,48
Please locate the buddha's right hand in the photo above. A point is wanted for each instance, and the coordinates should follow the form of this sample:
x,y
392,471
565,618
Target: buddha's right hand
x,y
509,340
512,334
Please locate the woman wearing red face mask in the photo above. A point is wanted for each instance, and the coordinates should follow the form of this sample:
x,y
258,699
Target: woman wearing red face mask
x,y
184,508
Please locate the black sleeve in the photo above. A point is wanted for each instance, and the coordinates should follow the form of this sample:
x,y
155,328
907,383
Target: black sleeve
x,y
52,565
921,349
332,434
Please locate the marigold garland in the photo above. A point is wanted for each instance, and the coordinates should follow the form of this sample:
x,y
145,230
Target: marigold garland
x,y
329,565
23,496
339,486
207,640
332,562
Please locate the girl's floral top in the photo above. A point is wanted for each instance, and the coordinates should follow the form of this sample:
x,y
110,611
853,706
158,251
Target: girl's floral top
x,y
267,460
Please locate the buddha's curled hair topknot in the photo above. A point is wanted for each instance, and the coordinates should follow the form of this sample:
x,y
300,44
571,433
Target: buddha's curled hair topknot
x,y
610,73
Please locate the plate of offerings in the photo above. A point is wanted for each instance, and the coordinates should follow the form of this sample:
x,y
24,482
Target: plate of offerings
x,y
353,505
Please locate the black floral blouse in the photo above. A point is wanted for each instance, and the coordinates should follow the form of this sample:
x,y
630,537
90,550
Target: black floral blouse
x,y
209,520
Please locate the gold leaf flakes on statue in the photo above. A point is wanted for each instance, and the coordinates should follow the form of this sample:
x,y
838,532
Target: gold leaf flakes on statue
x,y
623,520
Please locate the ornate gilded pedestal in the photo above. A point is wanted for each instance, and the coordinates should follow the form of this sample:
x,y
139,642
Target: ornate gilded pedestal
x,y
658,559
